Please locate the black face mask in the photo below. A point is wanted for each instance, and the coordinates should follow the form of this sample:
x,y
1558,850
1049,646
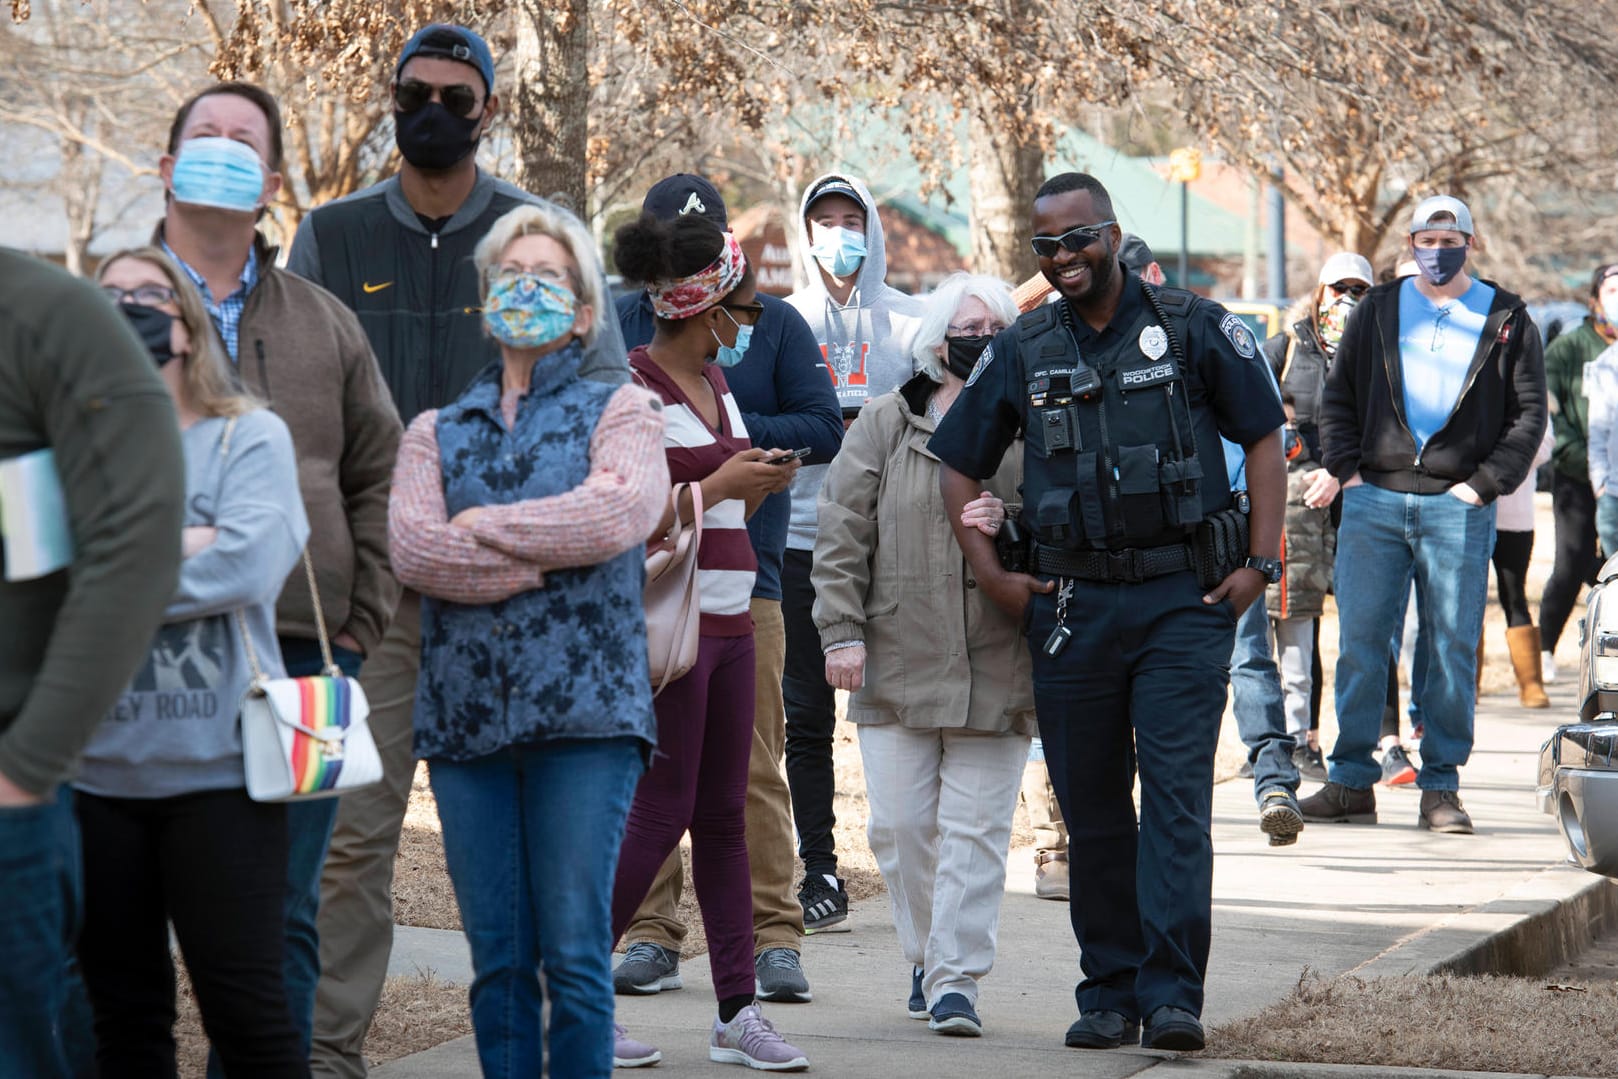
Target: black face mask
x,y
961,354
154,327
433,138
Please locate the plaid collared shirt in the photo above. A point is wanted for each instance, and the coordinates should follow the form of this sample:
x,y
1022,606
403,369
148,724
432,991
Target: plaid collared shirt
x,y
226,313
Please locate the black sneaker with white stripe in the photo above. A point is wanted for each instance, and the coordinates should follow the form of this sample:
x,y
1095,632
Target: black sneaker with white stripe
x,y
825,905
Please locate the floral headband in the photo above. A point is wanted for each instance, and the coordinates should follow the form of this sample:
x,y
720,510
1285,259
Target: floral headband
x,y
687,296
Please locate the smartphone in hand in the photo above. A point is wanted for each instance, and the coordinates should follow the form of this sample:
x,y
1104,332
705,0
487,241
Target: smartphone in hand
x,y
790,455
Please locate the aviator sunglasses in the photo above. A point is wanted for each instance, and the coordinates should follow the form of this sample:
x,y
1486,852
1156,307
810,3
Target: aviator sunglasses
x,y
1075,240
412,94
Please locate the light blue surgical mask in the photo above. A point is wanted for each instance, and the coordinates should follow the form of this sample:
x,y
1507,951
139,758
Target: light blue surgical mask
x,y
839,250
221,173
524,310
731,355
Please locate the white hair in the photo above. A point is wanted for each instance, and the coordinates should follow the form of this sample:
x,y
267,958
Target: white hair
x,y
939,311
565,229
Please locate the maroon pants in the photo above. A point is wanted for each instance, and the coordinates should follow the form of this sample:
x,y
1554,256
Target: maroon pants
x,y
698,781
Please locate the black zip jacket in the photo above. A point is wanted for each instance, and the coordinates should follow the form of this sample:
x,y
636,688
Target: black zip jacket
x,y
417,293
1489,440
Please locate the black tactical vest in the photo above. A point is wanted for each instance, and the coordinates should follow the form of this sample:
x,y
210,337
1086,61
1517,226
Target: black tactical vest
x,y
1111,457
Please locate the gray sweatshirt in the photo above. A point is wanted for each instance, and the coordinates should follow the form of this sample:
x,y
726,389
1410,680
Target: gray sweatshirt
x,y
176,729
864,347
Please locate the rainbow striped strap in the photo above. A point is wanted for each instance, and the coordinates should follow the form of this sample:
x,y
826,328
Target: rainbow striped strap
x,y
315,713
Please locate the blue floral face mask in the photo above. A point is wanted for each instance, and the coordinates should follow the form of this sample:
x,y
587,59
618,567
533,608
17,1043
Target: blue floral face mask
x,y
221,173
731,355
524,310
838,250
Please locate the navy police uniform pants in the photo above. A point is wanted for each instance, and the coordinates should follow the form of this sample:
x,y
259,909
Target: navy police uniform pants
x,y
1141,683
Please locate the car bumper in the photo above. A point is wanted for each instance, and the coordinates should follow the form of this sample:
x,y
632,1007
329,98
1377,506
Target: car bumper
x,y
1578,785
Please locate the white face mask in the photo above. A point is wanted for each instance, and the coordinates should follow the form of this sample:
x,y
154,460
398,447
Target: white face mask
x,y
1609,308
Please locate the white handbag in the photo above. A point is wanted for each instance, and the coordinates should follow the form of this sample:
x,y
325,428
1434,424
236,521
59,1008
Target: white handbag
x,y
673,605
305,738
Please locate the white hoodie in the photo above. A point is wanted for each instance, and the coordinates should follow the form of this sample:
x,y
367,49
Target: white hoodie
x,y
869,339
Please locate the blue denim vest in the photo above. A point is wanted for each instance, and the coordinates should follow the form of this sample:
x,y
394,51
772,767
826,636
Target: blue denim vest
x,y
567,660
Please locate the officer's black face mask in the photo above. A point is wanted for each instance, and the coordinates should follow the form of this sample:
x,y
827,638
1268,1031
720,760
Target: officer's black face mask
x,y
433,138
961,353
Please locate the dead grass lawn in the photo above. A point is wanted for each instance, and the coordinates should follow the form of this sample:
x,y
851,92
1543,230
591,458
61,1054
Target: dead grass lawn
x,y
416,1013
1539,1026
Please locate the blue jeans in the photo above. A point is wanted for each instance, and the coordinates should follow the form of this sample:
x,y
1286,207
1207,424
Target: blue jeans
x,y
1607,524
1385,537
1255,685
531,838
309,826
46,1028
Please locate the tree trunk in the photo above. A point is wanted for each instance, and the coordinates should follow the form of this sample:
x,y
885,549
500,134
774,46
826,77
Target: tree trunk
x,y
549,103
1005,172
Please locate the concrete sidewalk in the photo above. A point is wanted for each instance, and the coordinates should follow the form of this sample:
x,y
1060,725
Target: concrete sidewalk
x,y
1383,900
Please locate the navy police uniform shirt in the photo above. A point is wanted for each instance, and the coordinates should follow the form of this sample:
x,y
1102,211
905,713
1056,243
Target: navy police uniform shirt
x,y
1232,392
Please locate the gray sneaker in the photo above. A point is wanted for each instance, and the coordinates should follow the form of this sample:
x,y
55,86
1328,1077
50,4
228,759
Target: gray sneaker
x,y
780,975
647,968
752,1040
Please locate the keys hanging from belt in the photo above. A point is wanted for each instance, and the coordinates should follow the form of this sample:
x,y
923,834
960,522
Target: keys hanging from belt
x,y
1057,641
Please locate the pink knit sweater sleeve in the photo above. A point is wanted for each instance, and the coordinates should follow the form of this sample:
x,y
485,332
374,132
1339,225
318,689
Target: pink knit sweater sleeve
x,y
613,510
428,553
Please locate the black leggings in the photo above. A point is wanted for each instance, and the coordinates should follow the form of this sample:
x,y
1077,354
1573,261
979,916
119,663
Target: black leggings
x,y
1576,563
811,714
1512,550
215,864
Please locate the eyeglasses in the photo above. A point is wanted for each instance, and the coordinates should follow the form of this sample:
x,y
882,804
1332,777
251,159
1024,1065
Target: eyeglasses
x,y
412,94
1075,240
1350,288
755,311
985,328
145,295
556,275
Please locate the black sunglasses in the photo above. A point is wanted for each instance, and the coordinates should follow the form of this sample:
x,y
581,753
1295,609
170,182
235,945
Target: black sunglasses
x,y
1345,288
412,94
1075,240
756,310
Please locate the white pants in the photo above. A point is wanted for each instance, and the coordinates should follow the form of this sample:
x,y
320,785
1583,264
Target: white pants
x,y
940,805
1295,653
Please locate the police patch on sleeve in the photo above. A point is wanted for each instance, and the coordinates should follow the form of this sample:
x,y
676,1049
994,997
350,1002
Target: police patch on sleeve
x,y
985,358
1236,330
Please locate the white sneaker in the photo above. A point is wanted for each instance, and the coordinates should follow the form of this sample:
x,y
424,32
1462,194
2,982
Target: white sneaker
x,y
1547,668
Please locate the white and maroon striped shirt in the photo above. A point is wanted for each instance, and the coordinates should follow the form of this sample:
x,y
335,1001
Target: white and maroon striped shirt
x,y
726,564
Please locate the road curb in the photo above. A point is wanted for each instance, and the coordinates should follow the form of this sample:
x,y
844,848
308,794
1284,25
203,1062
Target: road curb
x,y
1280,1069
1542,923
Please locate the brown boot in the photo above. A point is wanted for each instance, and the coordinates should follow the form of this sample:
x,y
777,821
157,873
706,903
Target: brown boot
x,y
1441,811
1050,878
1336,803
1523,642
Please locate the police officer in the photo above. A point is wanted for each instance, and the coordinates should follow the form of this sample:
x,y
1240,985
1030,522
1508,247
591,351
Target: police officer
x,y
1122,392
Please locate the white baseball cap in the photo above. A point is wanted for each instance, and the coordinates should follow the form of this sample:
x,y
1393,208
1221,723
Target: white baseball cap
x,y
1346,266
1422,219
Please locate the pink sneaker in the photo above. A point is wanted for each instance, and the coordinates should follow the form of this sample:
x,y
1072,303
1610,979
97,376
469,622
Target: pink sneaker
x,y
752,1040
629,1053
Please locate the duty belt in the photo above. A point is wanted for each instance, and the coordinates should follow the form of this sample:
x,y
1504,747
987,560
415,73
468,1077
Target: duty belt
x,y
1132,564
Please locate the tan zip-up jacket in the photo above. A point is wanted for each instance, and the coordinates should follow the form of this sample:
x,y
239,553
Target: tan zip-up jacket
x,y
887,571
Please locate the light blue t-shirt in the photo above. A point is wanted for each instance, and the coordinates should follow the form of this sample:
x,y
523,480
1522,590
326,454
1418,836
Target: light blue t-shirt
x,y
1436,346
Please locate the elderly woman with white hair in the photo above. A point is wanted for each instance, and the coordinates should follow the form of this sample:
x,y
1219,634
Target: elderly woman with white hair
x,y
939,676
520,512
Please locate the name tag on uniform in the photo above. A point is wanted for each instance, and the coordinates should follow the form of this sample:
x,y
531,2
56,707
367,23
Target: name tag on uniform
x,y
1151,374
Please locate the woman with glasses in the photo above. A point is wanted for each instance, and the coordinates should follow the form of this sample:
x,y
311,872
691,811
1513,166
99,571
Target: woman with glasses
x,y
1300,356
170,835
940,676
703,298
520,512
